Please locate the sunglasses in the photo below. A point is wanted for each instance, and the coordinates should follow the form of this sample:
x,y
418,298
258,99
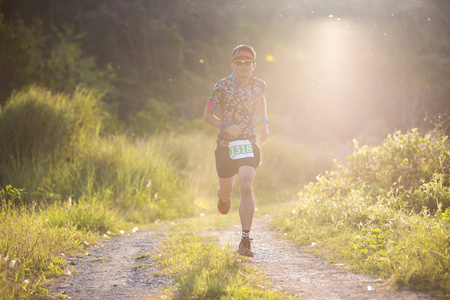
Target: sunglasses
x,y
243,62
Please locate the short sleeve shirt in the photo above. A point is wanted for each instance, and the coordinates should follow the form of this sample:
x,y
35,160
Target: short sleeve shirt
x,y
238,105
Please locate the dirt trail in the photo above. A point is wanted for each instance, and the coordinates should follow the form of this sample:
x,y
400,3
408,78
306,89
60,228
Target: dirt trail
x,y
291,270
109,271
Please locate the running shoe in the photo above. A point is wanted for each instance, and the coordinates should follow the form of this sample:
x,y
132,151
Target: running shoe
x,y
245,247
223,206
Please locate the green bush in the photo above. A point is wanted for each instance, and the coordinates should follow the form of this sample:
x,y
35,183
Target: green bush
x,y
385,211
40,130
403,163
92,216
38,122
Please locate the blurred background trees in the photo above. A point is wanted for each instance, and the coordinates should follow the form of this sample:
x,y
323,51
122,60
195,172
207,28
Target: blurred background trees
x,y
335,70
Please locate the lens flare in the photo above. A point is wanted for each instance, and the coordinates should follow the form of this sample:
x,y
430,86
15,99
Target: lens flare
x,y
270,58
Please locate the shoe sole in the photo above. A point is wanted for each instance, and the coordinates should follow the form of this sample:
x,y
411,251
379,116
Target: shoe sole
x,y
245,252
223,209
221,205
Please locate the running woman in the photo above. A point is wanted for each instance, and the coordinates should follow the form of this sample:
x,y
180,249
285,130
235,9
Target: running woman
x,y
240,99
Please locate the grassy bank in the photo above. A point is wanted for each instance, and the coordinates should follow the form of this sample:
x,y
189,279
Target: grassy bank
x,y
32,252
385,212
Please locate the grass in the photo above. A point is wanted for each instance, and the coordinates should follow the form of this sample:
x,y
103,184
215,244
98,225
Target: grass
x,y
142,266
386,212
32,252
144,255
204,270
99,259
65,155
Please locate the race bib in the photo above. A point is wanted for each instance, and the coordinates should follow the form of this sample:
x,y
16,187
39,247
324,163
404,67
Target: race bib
x,y
240,149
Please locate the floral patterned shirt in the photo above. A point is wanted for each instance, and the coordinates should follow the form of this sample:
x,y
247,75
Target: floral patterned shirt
x,y
237,105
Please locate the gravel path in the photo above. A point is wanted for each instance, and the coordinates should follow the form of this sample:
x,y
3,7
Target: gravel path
x,y
110,272
306,276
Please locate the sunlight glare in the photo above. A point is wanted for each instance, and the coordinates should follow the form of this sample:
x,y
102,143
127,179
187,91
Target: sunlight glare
x,y
202,203
336,48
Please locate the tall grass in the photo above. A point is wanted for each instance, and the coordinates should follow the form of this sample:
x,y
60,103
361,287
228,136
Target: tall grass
x,y
36,120
386,211
39,129
32,251
61,153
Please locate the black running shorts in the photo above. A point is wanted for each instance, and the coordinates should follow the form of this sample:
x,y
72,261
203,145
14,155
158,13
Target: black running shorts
x,y
227,167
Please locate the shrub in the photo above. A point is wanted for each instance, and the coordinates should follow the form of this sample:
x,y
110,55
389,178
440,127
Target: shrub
x,y
36,121
406,165
386,211
42,131
404,162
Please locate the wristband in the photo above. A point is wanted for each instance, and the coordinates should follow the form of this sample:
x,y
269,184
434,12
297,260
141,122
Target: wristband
x,y
265,120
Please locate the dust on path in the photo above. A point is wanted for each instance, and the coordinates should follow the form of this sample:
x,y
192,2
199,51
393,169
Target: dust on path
x,y
109,272
306,276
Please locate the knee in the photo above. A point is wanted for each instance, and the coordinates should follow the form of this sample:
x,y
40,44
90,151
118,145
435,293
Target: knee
x,y
247,186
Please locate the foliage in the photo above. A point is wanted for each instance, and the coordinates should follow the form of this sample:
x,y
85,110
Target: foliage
x,y
65,67
410,167
92,216
403,164
10,195
61,153
56,129
173,52
29,56
385,211
55,123
153,118
32,249
205,270
18,57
